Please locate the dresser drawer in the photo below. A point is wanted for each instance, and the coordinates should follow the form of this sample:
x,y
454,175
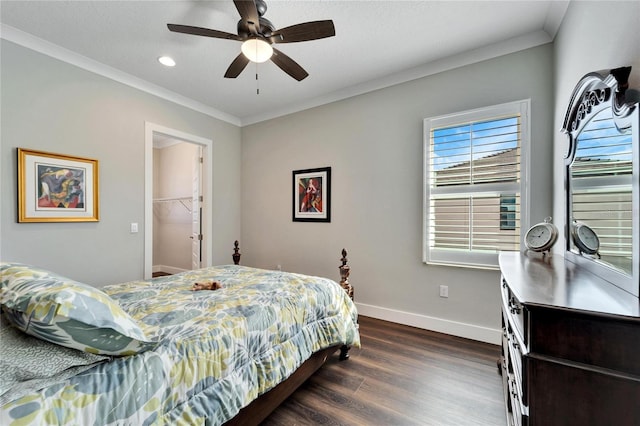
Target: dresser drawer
x,y
516,314
514,317
516,407
507,396
516,358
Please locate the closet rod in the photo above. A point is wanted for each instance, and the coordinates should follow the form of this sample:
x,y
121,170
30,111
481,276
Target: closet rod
x,y
172,199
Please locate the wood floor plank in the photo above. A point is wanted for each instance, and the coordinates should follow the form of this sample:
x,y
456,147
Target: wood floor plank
x,y
401,376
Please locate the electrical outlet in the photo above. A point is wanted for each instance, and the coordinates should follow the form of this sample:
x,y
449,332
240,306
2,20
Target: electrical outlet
x,y
444,291
279,267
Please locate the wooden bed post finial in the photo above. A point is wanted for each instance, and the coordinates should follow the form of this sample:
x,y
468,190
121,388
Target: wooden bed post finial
x,y
236,253
344,274
344,283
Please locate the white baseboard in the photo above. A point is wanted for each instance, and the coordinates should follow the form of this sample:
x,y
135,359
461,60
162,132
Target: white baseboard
x,y
168,269
468,331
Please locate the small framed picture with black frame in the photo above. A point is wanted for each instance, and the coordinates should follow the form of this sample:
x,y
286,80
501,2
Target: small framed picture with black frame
x,y
312,195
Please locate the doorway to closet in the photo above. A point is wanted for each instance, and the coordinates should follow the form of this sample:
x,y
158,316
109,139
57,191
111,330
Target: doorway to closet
x,y
177,200
177,228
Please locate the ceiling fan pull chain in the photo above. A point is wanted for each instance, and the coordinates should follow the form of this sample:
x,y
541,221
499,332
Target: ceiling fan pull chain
x,y
257,81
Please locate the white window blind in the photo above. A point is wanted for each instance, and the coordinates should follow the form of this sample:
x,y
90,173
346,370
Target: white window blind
x,y
473,184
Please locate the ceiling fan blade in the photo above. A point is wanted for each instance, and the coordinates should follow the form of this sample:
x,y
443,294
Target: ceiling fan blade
x,y
249,14
187,29
288,65
304,32
236,67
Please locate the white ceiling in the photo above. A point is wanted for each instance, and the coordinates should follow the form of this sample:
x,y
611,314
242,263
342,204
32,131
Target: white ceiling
x,y
377,44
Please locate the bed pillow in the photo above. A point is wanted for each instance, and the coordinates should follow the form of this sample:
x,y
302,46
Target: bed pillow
x,y
27,363
68,313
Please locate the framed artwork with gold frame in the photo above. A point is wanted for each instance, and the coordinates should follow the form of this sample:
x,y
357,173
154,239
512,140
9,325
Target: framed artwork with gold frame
x,y
56,187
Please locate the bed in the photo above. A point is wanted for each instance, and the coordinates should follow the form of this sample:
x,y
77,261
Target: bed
x,y
158,353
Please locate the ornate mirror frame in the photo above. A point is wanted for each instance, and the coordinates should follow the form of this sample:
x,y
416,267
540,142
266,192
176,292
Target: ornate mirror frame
x,y
609,96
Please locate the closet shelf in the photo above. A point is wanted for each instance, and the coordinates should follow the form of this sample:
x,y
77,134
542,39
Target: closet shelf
x,y
185,201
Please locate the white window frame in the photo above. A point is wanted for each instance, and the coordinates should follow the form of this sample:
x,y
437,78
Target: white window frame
x,y
474,259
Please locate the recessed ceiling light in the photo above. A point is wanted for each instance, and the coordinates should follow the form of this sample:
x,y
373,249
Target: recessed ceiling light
x,y
167,61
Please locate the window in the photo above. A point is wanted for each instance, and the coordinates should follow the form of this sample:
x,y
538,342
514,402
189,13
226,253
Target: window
x,y
474,201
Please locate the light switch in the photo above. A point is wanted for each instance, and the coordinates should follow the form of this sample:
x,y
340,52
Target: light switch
x,y
134,227
444,291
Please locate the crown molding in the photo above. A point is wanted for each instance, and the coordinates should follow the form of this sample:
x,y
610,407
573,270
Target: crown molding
x,y
445,64
57,52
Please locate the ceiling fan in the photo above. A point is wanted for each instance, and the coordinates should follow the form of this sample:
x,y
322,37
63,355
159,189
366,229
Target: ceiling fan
x,y
258,34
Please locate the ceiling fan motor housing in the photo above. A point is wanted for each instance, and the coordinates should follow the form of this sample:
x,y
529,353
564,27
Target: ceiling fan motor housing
x,y
261,5
266,28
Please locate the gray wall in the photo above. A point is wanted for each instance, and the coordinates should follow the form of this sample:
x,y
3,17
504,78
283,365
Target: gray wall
x,y
374,144
593,36
49,105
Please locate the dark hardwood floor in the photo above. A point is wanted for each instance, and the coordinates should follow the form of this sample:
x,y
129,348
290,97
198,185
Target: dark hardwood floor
x,y
401,376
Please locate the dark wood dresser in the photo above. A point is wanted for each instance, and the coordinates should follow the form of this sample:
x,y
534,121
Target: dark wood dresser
x,y
570,345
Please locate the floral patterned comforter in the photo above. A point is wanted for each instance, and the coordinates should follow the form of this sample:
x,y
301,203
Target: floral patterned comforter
x,y
218,350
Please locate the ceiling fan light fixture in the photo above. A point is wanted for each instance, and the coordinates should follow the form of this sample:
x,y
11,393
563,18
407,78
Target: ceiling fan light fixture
x,y
257,50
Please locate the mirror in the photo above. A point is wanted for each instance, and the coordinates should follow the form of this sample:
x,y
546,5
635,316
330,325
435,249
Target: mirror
x,y
602,192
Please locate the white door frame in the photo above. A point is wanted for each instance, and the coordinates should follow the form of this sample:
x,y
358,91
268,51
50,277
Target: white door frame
x,y
197,209
207,219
